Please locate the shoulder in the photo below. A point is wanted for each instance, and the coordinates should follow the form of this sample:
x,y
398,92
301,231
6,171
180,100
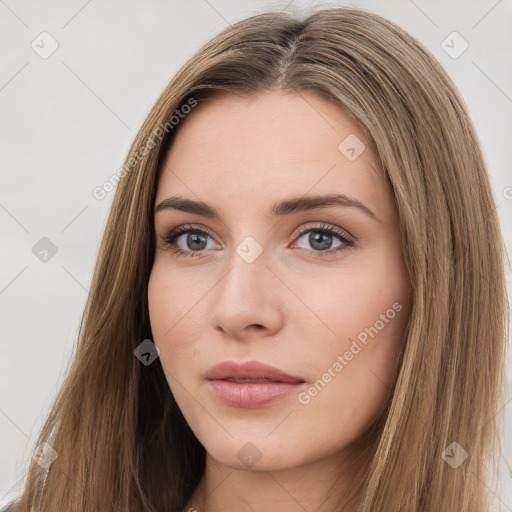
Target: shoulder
x,y
9,507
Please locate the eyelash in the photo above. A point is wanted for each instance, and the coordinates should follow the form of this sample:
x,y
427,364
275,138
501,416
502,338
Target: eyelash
x,y
348,241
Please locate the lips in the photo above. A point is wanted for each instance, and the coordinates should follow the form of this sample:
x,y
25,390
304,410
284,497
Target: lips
x,y
251,371
250,385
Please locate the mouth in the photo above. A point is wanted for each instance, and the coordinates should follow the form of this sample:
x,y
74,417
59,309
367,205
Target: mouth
x,y
251,371
251,384
249,380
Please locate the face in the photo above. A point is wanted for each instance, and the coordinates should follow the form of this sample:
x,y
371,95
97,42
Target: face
x,y
316,290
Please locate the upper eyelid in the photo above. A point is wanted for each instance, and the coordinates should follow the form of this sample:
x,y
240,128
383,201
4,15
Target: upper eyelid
x,y
334,230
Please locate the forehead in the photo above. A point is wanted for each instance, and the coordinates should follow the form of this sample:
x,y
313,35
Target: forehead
x,y
250,152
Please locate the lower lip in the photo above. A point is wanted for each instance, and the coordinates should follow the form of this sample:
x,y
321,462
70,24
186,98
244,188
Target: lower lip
x,y
251,394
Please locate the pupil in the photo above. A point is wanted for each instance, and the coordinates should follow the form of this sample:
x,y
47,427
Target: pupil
x,y
196,239
320,240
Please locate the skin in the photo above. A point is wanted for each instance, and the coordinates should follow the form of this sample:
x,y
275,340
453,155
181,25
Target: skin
x,y
289,309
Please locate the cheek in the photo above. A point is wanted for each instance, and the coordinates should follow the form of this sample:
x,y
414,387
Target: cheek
x,y
159,296
174,325
358,305
165,310
169,299
352,381
370,302
174,320
366,312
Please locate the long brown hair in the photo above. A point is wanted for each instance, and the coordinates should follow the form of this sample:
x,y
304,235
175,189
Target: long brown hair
x,y
121,440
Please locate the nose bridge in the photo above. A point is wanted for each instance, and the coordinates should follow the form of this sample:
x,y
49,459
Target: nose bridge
x,y
249,257
246,279
246,296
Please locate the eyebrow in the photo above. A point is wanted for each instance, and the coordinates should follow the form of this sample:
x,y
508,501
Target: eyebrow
x,y
286,207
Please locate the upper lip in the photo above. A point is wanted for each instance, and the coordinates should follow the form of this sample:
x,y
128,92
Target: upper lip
x,y
249,370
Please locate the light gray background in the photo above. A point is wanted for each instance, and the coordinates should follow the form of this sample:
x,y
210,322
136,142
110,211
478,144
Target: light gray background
x,y
66,125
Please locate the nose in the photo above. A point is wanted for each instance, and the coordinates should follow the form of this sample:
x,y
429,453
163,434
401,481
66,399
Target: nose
x,y
247,301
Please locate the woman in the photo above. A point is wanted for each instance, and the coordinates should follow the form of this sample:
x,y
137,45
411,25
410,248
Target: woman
x,y
299,301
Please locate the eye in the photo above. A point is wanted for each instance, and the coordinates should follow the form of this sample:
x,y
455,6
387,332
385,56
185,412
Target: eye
x,y
320,239
194,240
